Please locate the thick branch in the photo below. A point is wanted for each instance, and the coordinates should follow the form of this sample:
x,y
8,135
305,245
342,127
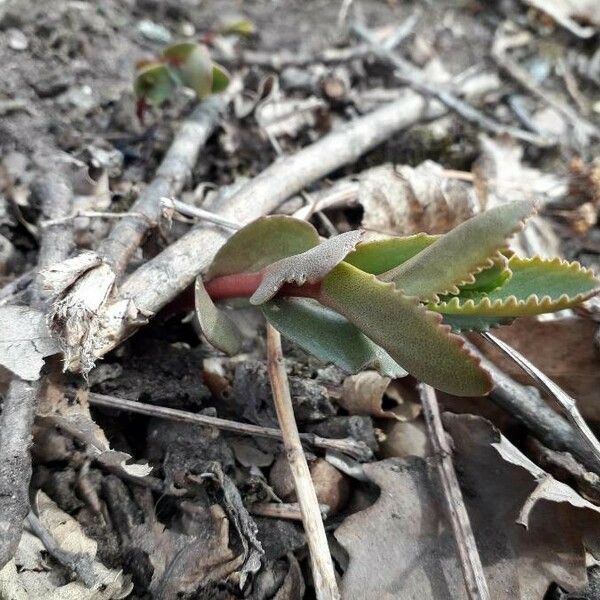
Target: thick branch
x,y
18,411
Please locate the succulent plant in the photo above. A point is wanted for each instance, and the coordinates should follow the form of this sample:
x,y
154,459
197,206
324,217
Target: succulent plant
x,y
185,64
395,304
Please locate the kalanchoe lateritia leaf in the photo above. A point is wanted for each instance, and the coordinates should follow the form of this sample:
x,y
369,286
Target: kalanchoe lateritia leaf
x,y
489,279
218,329
220,78
379,256
413,336
536,286
155,82
454,258
193,63
309,267
328,336
261,243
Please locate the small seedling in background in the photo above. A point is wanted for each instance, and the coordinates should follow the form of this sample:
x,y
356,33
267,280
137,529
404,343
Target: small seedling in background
x,y
186,64
393,304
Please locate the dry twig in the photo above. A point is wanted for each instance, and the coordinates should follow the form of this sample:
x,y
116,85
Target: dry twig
x,y
321,563
414,77
470,560
18,411
282,510
347,446
525,404
566,402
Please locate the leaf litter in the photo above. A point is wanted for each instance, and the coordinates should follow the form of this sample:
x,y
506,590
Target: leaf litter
x,y
161,508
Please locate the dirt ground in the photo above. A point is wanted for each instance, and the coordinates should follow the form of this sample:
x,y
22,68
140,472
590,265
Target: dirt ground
x,y
201,521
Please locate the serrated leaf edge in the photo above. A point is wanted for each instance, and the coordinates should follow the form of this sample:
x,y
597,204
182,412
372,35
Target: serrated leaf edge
x,y
501,307
437,320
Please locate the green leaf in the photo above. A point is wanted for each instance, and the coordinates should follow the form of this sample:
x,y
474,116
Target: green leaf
x,y
218,329
155,82
413,336
489,279
261,243
379,256
194,65
328,336
454,258
308,267
536,286
220,78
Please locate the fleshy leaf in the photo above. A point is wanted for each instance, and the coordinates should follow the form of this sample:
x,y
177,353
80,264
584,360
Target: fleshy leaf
x,y
328,336
220,78
243,27
308,267
536,286
261,243
454,258
194,65
413,336
218,329
155,83
379,256
489,279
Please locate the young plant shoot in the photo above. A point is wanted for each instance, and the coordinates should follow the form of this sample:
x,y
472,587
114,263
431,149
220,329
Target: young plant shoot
x,y
395,304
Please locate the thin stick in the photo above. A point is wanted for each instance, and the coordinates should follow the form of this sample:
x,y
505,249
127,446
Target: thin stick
x,y
189,210
413,76
347,446
282,510
512,68
470,560
566,402
18,411
321,563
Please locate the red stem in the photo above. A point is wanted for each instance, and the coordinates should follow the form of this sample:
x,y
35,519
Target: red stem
x,y
243,285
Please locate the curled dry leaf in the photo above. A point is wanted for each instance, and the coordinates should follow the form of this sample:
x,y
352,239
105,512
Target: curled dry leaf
x,y
25,341
406,537
288,116
368,392
405,200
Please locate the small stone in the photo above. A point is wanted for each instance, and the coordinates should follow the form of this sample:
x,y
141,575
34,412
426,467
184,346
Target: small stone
x,y
17,40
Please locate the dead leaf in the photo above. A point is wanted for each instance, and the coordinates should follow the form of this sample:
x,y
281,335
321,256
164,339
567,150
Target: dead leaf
x,y
403,537
25,341
563,349
369,393
406,535
406,200
500,177
502,488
